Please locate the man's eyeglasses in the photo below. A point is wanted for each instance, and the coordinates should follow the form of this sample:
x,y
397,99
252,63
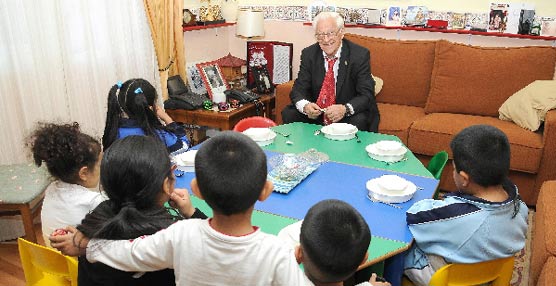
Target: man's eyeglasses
x,y
322,36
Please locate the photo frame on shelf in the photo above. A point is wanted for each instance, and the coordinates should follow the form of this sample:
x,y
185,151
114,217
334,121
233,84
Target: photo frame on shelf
x,y
194,79
213,79
262,79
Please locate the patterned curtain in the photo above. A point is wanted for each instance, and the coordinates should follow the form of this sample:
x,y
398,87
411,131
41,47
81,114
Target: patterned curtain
x,y
165,20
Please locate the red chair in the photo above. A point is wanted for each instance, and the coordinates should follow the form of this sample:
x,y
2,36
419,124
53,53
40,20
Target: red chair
x,y
254,121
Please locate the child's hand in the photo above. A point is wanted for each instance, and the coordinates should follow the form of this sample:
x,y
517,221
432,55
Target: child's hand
x,y
378,281
163,115
69,241
180,199
59,231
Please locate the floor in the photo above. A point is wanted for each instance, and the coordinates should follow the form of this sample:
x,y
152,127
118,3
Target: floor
x,y
11,273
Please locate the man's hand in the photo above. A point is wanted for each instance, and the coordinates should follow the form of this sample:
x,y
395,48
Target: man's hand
x,y
335,112
312,110
180,199
73,243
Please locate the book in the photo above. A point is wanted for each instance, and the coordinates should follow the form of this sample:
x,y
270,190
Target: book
x,y
498,17
416,15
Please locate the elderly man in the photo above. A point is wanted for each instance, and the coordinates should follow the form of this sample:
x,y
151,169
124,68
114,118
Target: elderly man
x,y
334,83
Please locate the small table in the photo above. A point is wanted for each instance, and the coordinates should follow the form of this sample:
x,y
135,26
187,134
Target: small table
x,y
222,120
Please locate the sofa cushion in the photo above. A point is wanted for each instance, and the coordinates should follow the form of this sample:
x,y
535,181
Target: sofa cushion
x,y
396,119
405,67
435,131
528,107
477,80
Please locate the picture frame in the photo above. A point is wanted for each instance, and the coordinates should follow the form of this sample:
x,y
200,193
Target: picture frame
x,y
213,79
262,79
194,79
277,57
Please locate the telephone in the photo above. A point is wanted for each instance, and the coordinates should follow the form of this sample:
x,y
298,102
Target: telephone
x,y
243,96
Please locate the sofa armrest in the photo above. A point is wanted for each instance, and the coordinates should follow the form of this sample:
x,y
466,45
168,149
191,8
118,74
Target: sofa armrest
x,y
544,231
547,169
282,99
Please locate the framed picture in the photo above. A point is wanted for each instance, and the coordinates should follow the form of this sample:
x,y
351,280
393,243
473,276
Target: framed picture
x,y
214,81
276,57
194,79
262,79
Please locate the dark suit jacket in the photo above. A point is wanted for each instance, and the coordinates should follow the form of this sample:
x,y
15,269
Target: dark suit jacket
x,y
354,83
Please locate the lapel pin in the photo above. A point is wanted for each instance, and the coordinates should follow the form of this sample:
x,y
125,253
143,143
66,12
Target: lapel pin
x,y
346,63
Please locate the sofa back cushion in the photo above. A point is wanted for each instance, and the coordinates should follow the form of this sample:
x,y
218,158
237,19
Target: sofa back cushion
x,y
477,80
404,66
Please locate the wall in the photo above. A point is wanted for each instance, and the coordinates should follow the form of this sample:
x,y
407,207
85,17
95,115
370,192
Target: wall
x,y
211,44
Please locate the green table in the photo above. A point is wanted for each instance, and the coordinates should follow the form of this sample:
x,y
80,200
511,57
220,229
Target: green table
x,y
348,152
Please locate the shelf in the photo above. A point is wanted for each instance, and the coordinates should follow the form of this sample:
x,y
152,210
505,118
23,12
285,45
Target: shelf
x,y
204,27
464,32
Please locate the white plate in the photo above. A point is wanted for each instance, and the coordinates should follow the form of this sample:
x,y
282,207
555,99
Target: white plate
x,y
388,147
392,183
263,136
378,193
379,156
339,131
185,161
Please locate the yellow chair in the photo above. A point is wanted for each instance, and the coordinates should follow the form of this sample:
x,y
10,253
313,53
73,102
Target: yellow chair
x,y
46,266
498,272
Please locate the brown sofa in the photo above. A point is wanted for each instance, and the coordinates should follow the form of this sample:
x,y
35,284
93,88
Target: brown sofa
x,y
434,89
543,246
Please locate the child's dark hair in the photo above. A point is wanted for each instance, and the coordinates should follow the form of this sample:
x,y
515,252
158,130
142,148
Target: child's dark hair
x,y
132,175
231,172
135,99
483,152
334,239
64,150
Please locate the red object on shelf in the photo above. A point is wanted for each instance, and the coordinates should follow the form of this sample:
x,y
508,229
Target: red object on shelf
x,y
437,24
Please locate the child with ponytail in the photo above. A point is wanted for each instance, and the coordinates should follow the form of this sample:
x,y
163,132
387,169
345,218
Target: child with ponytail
x,y
132,110
138,178
73,159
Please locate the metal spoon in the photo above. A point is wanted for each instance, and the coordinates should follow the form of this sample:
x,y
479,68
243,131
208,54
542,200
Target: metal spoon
x,y
280,133
317,132
357,137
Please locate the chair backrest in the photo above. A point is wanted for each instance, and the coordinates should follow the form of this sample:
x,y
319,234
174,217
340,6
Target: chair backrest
x,y
253,121
498,272
46,266
437,164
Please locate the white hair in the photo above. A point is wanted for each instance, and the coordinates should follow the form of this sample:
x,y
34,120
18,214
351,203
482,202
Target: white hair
x,y
329,15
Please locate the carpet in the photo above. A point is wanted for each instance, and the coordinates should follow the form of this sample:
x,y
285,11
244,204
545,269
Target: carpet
x,y
520,276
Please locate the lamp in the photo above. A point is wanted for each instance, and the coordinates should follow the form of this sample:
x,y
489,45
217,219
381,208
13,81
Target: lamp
x,y
250,23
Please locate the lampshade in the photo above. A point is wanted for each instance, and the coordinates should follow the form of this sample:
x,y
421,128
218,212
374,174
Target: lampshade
x,y
250,23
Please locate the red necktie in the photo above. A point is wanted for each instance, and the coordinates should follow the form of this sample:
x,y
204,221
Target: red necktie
x,y
327,95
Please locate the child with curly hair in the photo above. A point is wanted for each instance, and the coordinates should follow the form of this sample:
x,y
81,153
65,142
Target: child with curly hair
x,y
73,159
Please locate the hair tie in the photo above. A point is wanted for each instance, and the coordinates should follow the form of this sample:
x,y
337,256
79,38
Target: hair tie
x,y
138,90
119,84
